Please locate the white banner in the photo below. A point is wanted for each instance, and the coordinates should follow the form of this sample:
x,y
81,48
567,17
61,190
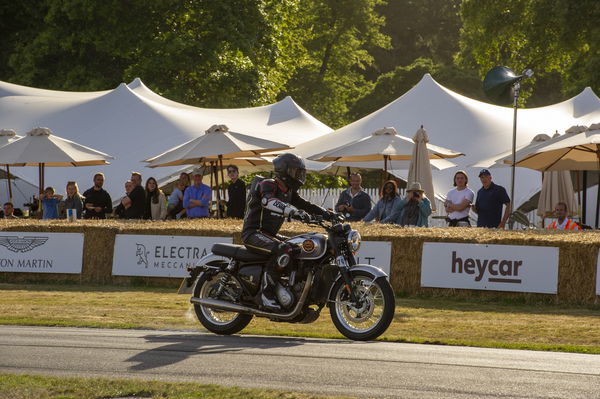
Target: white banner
x,y
160,256
490,267
376,253
36,252
598,274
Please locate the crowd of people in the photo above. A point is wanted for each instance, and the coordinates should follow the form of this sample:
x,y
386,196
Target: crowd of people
x,y
192,199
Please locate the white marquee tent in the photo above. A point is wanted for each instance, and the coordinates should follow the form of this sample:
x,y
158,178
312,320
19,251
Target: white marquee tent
x,y
475,128
133,123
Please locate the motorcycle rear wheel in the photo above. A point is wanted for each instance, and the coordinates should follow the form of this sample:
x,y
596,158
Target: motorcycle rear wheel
x,y
214,320
374,313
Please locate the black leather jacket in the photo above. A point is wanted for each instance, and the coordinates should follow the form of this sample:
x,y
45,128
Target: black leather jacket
x,y
268,205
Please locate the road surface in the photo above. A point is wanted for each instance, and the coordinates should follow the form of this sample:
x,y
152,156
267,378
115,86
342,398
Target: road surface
x,y
332,367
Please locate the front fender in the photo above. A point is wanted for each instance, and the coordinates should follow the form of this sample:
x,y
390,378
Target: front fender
x,y
207,262
374,271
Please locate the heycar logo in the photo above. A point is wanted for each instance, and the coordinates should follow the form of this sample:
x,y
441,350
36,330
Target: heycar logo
x,y
500,271
24,244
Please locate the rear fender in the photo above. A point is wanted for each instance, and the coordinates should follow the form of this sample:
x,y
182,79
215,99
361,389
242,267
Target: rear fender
x,y
209,262
374,271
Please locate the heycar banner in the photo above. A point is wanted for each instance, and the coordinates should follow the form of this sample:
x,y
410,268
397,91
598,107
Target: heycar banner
x,y
376,253
490,267
36,252
159,256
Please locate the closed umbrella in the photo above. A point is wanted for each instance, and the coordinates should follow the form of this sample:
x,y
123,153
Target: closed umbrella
x,y
41,148
420,168
8,136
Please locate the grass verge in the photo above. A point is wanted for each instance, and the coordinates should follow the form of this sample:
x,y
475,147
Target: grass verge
x,y
40,387
471,322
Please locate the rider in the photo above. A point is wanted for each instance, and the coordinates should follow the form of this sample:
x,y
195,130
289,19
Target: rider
x,y
269,202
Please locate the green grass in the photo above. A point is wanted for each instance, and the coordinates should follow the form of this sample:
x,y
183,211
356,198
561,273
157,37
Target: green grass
x,y
471,322
40,387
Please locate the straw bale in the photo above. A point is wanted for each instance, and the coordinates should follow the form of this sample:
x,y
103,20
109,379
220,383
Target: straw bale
x,y
577,260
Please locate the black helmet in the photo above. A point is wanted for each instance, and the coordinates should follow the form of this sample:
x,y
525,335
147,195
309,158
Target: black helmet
x,y
290,168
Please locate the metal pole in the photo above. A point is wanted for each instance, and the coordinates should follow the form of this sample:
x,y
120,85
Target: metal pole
x,y
584,202
517,88
9,185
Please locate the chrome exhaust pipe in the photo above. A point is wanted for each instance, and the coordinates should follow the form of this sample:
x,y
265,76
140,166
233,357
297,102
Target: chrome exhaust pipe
x,y
232,307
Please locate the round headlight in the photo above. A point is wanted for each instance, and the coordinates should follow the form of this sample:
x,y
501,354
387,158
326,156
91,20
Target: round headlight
x,y
354,240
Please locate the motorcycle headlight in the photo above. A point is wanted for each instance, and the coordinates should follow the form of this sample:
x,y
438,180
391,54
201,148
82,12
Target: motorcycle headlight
x,y
353,238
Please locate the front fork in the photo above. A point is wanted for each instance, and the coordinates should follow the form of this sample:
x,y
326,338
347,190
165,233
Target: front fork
x,y
344,266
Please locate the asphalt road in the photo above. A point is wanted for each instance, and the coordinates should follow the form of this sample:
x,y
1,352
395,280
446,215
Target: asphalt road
x,y
371,369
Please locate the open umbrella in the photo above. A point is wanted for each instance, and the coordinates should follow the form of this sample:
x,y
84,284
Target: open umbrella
x,y
420,167
8,136
384,144
41,148
218,144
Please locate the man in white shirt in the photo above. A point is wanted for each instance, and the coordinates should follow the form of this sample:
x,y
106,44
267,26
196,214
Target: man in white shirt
x,y
459,200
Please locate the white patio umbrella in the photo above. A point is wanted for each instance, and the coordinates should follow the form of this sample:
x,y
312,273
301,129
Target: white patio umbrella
x,y
420,167
41,148
8,136
218,144
572,151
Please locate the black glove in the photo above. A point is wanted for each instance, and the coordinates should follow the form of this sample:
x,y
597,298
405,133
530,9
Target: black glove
x,y
333,216
301,216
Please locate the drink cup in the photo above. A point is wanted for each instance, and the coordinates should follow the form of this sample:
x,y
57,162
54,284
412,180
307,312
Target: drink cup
x,y
71,215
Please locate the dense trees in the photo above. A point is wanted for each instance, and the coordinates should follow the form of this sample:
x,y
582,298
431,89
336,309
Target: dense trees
x,y
339,59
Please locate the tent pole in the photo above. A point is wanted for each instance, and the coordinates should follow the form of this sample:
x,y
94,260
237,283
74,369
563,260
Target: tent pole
x,y
222,182
584,202
9,185
517,88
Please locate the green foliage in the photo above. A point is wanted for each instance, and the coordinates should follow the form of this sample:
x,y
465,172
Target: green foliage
x,y
313,180
554,38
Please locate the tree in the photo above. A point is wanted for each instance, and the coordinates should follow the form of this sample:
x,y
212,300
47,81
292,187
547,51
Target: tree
x,y
559,40
330,77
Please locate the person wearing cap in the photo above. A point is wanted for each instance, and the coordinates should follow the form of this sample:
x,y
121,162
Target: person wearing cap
x,y
413,210
488,205
197,197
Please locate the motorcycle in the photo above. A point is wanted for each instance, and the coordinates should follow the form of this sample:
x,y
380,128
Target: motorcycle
x,y
226,285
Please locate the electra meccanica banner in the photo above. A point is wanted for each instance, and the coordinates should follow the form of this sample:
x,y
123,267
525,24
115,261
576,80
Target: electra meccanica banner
x,y
160,256
37,252
490,267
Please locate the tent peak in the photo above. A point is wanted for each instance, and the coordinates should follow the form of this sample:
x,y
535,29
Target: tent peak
x,y
40,131
386,131
8,132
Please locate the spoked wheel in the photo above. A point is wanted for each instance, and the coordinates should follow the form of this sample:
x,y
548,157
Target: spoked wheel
x,y
215,320
370,314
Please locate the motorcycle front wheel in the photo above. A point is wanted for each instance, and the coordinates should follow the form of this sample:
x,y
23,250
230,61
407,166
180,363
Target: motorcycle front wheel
x,y
370,315
215,320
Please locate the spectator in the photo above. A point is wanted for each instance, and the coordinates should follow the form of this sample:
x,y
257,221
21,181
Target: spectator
x,y
175,209
389,200
97,201
74,200
488,205
354,203
9,210
135,201
459,200
562,222
236,194
156,202
185,179
197,198
413,210
123,210
50,202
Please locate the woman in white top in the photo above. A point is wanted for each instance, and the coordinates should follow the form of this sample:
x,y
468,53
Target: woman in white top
x,y
156,202
459,200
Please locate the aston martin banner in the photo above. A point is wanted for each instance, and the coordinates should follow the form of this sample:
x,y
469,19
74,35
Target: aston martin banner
x,y
36,252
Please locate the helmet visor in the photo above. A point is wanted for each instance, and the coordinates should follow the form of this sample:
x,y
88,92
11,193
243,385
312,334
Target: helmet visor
x,y
298,174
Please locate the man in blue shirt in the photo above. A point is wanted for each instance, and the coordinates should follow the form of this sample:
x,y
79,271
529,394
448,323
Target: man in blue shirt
x,y
488,205
196,198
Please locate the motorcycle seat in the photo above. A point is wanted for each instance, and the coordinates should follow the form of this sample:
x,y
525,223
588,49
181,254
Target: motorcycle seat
x,y
238,252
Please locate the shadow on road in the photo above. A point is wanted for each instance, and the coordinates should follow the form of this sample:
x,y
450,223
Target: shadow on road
x,y
178,347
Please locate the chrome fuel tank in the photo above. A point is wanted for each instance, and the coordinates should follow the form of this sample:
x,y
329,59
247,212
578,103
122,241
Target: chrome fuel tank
x,y
312,245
